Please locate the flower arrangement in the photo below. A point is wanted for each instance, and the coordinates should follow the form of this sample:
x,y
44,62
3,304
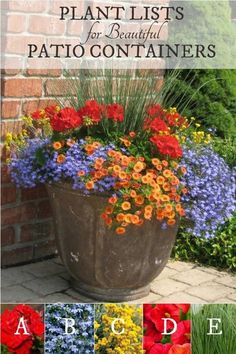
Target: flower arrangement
x,y
22,343
176,342
80,341
140,170
108,341
151,162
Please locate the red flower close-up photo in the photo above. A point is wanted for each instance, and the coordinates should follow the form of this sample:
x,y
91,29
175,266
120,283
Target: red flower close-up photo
x,y
30,332
167,329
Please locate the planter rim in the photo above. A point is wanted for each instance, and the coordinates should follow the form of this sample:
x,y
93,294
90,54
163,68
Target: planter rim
x,y
68,187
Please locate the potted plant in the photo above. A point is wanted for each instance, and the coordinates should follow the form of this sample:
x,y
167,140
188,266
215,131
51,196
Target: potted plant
x,y
112,166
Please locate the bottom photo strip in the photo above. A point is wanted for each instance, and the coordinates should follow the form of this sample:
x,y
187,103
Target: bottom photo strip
x,y
118,328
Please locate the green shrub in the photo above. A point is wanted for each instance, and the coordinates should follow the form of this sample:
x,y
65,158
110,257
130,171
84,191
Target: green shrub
x,y
219,251
227,149
209,96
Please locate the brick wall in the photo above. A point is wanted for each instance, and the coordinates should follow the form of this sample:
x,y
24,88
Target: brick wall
x,y
27,227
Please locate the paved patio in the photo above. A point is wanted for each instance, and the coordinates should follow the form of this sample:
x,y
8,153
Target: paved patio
x,y
47,281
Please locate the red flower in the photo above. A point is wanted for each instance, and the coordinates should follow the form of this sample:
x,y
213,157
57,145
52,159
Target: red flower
x,y
91,112
67,118
180,349
158,125
175,120
155,110
167,145
182,335
184,307
22,343
165,311
51,110
160,348
115,111
38,114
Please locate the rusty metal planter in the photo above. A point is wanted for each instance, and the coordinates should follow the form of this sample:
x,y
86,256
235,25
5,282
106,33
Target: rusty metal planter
x,y
103,265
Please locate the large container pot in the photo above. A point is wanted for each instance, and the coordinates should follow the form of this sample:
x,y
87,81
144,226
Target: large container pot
x,y
103,265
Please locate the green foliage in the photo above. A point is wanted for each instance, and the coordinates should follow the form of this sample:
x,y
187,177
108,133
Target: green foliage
x,y
219,251
227,149
213,344
209,96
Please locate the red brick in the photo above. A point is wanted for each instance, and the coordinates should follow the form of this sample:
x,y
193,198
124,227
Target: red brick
x,y
33,193
10,109
22,88
58,88
8,194
43,72
5,177
17,255
75,28
36,232
16,23
44,210
19,214
46,25
32,106
20,44
7,236
28,6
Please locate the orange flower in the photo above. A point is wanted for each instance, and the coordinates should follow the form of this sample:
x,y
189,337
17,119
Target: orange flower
x,y
181,212
165,198
139,166
126,206
127,218
147,216
132,134
148,209
145,179
117,169
159,167
57,145
120,230
122,175
167,173
183,170
160,180
70,142
113,200
155,162
124,160
81,173
169,208
61,158
126,142
133,193
184,191
165,163
136,176
120,217
135,219
111,153
89,185
108,221
171,222
139,200
89,149
109,209
166,187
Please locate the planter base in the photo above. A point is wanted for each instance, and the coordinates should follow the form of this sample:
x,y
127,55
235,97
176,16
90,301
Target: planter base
x,y
110,295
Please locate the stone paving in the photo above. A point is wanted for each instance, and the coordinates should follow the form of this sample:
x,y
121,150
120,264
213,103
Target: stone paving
x,y
47,281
